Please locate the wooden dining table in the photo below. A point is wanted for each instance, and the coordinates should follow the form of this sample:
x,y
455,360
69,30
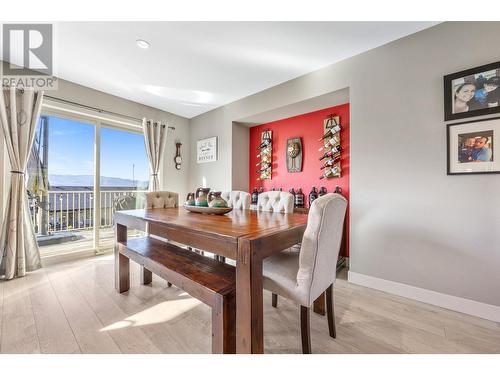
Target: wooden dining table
x,y
246,236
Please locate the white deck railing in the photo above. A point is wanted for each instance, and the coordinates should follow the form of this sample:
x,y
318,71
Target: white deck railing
x,y
74,210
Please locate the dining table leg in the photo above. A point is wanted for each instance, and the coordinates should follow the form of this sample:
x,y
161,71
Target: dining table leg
x,y
249,300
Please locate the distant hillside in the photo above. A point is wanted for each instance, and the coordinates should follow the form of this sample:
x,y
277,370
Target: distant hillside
x,y
88,180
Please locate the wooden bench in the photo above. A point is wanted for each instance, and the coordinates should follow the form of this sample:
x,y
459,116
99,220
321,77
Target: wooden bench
x,y
211,282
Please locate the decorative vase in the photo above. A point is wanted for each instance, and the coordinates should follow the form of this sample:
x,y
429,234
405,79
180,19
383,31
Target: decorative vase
x,y
190,199
202,197
215,200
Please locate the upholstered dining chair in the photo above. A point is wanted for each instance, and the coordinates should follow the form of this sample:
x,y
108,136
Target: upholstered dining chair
x,y
275,201
237,199
162,199
304,275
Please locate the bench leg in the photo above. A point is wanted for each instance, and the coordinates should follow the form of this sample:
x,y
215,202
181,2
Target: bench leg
x,y
122,273
146,276
224,325
122,264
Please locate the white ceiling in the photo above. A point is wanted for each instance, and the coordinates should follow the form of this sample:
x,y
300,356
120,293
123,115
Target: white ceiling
x,y
193,67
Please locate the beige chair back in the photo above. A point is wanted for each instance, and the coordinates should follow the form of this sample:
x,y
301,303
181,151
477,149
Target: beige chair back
x,y
237,199
162,199
321,245
275,201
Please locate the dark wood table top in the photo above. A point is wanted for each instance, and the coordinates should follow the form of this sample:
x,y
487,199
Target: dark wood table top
x,y
235,224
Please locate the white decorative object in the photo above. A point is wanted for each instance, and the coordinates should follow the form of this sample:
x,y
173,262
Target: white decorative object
x,y
206,150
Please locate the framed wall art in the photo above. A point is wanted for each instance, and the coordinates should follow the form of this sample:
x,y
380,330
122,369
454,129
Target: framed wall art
x,y
472,92
473,147
206,150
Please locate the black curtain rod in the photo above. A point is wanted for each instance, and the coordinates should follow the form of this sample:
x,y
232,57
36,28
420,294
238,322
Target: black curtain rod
x,y
100,110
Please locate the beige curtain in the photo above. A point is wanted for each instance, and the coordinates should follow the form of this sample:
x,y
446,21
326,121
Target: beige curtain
x,y
19,113
155,137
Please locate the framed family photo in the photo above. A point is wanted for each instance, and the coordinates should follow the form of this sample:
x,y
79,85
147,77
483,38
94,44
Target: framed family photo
x,y
472,92
472,147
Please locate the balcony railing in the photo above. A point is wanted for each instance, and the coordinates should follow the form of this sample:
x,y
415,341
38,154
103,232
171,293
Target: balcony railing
x,y
74,210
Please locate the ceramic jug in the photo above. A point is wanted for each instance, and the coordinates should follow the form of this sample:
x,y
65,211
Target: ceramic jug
x,y
190,199
215,199
202,197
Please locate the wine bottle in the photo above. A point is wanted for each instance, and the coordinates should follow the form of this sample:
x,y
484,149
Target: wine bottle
x,y
331,153
266,142
333,124
338,190
313,195
331,162
292,191
255,195
264,169
332,172
334,141
299,198
261,190
263,161
330,132
322,191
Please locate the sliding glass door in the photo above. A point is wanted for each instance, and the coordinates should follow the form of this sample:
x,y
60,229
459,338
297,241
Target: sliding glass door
x,y
124,174
61,185
80,172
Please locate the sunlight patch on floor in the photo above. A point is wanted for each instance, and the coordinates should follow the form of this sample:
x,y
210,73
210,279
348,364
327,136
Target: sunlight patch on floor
x,y
160,313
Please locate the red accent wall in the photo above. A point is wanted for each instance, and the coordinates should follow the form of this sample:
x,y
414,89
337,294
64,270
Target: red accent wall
x,y
309,127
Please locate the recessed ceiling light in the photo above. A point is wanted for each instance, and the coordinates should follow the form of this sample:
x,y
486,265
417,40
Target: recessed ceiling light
x,y
141,43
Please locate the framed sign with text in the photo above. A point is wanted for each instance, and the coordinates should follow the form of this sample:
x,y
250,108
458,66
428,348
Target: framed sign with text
x,y
206,150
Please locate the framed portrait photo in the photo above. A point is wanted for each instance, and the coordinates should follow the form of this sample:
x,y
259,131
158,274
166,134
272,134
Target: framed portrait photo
x,y
206,150
472,92
473,147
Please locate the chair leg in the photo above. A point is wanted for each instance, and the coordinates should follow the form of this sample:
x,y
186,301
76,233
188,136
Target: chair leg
x,y
319,305
305,329
220,258
330,311
275,300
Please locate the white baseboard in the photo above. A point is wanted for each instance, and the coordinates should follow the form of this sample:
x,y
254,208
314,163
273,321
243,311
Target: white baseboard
x,y
463,305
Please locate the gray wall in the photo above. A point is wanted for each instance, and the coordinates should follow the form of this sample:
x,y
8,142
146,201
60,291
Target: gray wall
x,y
240,153
410,222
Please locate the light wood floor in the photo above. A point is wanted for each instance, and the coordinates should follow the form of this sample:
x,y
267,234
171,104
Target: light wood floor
x,y
73,308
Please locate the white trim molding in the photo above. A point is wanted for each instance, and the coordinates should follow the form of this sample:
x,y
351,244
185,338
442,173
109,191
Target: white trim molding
x,y
463,305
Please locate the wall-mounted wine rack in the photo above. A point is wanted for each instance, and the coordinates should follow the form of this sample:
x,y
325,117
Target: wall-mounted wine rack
x,y
330,149
265,156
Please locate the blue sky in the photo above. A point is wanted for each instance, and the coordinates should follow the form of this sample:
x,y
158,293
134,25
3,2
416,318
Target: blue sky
x,y
71,150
